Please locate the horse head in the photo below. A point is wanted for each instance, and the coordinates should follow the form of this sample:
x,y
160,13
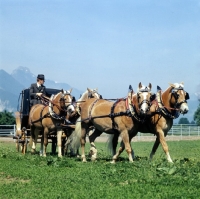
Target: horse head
x,y
178,97
63,101
93,93
143,100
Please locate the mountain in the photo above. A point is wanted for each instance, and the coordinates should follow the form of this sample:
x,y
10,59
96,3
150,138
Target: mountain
x,y
21,78
24,76
9,91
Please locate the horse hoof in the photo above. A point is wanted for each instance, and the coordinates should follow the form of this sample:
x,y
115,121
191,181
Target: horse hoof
x,y
93,159
33,151
113,162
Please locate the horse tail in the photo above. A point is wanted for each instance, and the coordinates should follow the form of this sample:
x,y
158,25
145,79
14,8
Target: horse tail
x,y
30,142
75,137
109,144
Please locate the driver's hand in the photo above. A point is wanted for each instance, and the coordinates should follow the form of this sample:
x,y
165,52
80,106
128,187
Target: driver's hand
x,y
39,94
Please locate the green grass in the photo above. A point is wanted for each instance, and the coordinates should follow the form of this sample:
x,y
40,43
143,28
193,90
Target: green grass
x,y
32,176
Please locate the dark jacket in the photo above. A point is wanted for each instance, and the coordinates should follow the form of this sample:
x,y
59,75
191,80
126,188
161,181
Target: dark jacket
x,y
34,99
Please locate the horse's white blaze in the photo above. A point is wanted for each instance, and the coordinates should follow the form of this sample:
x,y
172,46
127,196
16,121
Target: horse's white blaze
x,y
144,106
70,108
184,107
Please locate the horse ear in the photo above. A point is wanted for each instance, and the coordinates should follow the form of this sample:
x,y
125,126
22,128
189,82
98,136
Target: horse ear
x,y
158,88
140,85
70,91
96,89
89,90
150,86
172,85
62,91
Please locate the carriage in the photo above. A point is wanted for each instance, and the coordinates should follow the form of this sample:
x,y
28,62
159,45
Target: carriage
x,y
22,134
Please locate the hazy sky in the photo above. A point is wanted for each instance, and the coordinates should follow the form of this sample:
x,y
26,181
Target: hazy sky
x,y
107,44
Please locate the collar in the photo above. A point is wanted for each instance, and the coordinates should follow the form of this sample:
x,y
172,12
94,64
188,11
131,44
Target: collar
x,y
38,85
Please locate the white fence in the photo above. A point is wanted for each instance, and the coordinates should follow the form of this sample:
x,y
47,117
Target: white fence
x,y
7,130
177,132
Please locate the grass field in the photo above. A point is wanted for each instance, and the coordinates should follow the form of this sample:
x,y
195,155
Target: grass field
x,y
32,176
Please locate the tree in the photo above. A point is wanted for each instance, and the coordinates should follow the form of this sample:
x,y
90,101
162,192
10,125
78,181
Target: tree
x,y
183,120
6,118
197,115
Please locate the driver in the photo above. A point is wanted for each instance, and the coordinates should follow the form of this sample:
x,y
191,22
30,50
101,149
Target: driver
x,y
36,90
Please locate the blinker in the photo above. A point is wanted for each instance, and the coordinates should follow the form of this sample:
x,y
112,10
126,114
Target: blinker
x,y
153,97
187,97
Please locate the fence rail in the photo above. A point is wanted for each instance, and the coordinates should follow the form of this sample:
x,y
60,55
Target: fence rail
x,y
7,130
177,132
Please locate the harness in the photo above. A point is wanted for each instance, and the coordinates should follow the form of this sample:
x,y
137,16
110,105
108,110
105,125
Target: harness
x,y
51,112
130,112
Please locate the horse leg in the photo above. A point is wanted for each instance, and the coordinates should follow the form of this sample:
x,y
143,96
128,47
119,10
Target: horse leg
x,y
83,141
93,134
34,139
154,149
41,145
115,143
63,146
126,142
59,142
120,150
161,139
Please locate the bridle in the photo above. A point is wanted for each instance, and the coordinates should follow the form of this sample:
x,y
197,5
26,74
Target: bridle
x,y
176,108
146,101
174,92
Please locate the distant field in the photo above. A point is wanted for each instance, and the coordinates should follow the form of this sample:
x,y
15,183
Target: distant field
x,y
31,176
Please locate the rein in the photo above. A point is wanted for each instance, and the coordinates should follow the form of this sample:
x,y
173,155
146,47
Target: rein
x,y
52,102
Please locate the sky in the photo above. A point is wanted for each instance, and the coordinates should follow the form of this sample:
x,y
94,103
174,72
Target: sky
x,y
107,44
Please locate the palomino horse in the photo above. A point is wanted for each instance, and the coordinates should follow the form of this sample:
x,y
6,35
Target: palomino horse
x,y
49,118
118,117
88,94
170,104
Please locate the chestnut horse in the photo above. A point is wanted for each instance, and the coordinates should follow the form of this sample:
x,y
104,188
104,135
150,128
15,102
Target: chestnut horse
x,y
49,118
170,104
99,115
89,93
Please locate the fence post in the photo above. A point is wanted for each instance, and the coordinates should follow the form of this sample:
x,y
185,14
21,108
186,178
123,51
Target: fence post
x,y
14,129
189,130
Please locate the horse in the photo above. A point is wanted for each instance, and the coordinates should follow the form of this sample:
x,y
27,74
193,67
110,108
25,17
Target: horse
x,y
49,118
169,105
119,117
71,140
